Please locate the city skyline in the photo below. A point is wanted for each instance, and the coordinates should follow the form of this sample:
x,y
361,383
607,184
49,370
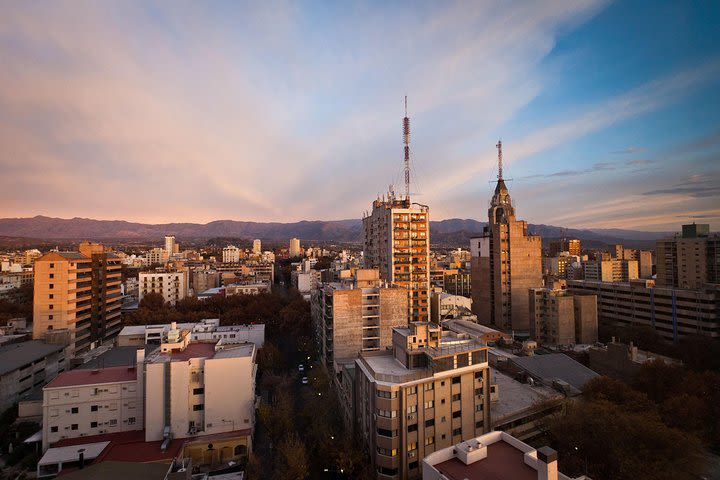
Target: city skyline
x,y
138,112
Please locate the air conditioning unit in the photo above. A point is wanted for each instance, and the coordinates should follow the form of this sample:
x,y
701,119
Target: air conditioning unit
x,y
411,455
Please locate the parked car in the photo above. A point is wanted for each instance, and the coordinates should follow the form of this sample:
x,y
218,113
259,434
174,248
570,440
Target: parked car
x,y
304,381
301,368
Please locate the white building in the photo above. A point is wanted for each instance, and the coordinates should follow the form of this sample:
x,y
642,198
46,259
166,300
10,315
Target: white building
x,y
157,256
231,254
170,246
206,330
257,246
172,285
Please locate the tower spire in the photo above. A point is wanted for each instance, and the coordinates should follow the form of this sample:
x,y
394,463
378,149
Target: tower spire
x,y
406,141
499,148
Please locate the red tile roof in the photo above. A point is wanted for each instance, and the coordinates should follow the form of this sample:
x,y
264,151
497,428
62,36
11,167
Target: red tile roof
x,y
90,377
129,447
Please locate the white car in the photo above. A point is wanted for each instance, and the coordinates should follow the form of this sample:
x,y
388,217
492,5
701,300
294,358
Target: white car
x,y
304,381
301,368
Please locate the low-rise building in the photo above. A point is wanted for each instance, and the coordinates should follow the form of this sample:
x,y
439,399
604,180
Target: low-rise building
x,y
26,366
206,330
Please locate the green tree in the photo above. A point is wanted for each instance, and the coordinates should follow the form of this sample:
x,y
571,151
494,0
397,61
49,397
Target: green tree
x,y
153,301
292,459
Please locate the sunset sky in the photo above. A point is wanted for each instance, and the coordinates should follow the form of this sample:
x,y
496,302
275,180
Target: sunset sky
x,y
192,111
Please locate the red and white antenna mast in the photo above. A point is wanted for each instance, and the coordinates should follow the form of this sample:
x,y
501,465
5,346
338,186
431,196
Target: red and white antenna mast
x,y
406,141
499,147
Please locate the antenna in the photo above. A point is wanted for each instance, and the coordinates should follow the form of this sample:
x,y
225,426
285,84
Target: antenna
x,y
406,141
499,147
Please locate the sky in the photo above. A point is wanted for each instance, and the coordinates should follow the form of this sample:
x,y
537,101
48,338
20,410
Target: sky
x,y
176,111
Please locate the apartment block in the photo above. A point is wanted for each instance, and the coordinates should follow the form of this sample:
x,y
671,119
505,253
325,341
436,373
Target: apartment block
x,y
397,242
559,318
356,315
81,403
569,245
429,392
294,250
457,282
689,261
26,366
157,256
78,292
257,247
611,270
231,254
171,284
672,312
506,262
201,280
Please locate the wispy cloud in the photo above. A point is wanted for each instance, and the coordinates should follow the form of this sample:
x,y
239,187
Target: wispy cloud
x,y
629,151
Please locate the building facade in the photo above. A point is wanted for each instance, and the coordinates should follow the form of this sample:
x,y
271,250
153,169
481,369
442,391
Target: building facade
x,y
397,243
171,284
231,254
294,250
78,292
558,318
506,262
672,312
28,365
689,260
611,270
430,392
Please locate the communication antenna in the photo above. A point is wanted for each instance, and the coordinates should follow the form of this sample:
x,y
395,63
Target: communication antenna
x,y
406,141
499,148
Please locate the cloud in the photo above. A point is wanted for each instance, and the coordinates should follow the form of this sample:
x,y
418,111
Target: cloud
x,y
629,150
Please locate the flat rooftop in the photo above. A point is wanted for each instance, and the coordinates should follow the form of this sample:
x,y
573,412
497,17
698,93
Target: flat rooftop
x,y
516,397
386,369
503,462
201,349
91,377
16,355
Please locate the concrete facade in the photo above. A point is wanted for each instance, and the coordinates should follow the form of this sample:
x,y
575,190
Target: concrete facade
x,y
506,262
430,392
171,284
689,261
397,242
28,365
557,318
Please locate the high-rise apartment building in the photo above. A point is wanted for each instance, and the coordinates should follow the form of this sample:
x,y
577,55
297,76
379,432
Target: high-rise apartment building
x,y
611,270
356,315
157,256
170,246
570,245
397,242
506,262
689,261
429,392
294,247
257,246
558,318
78,292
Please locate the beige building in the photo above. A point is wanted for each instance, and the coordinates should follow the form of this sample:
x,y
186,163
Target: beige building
x,y
569,245
429,392
79,293
157,256
204,279
294,247
611,270
506,262
672,312
257,247
171,248
171,284
558,318
397,242
689,261
356,315
81,403
231,254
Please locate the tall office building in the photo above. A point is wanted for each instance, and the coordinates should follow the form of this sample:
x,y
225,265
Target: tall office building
x,y
257,246
294,247
506,262
78,292
689,261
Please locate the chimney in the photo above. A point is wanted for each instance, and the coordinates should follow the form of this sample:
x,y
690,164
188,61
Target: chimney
x,y
81,458
547,468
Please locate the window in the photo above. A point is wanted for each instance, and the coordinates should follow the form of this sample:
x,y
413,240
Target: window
x,y
429,386
457,431
429,440
442,419
478,424
51,296
198,391
53,429
412,428
131,420
479,391
52,265
442,384
50,317
456,397
387,452
74,426
93,408
412,390
442,401
387,413
413,465
457,414
74,410
412,409
51,306
387,433
51,286
430,423
386,394
479,408
456,380
412,446
478,375
430,404
113,422
93,424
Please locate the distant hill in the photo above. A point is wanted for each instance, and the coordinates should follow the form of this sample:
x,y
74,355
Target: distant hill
x,y
451,232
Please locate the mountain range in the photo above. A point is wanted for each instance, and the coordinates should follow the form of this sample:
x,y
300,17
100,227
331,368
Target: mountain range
x,y
452,232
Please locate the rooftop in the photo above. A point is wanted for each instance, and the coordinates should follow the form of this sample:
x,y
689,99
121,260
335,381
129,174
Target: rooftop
x,y
17,355
503,462
556,366
91,377
516,397
113,357
128,447
119,471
